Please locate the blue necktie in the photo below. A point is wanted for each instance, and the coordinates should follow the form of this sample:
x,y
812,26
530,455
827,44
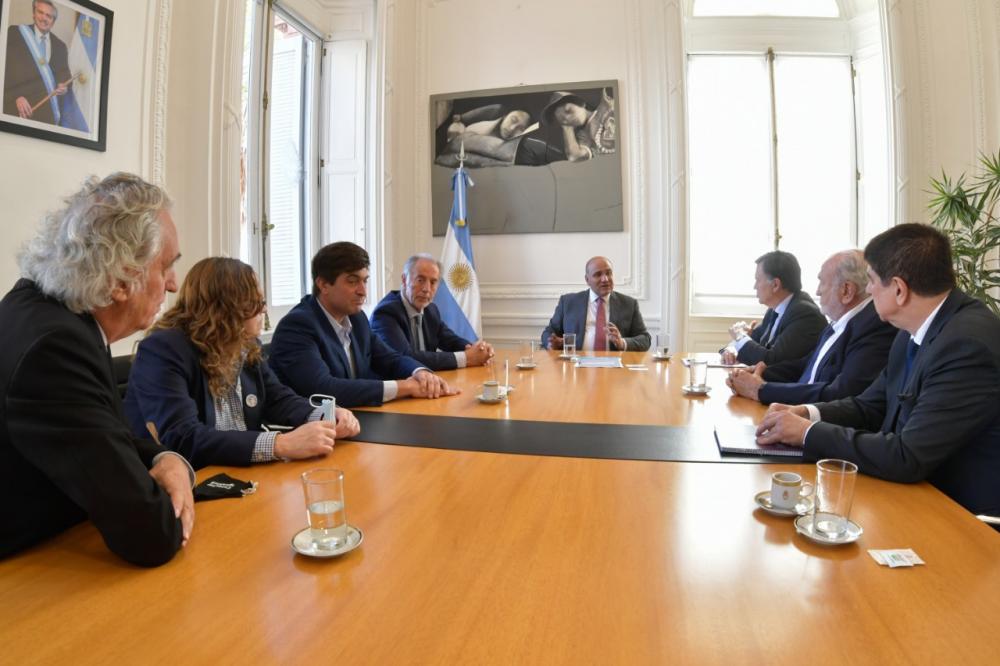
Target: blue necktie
x,y
911,353
827,332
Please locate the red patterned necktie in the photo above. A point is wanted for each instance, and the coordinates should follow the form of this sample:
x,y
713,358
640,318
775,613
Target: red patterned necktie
x,y
601,327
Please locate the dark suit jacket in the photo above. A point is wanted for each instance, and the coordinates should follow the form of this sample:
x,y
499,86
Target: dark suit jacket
x,y
306,354
942,424
848,367
168,387
391,323
798,331
66,452
21,77
571,317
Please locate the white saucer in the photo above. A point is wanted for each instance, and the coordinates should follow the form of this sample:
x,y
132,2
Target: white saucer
x,y
496,401
804,526
526,366
657,357
566,357
302,543
691,390
763,499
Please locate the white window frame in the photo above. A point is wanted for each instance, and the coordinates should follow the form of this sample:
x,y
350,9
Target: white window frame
x,y
755,35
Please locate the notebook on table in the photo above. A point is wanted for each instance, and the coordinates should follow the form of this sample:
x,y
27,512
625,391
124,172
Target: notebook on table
x,y
742,440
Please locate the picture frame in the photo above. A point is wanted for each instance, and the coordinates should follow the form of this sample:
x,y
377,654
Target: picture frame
x,y
55,58
544,158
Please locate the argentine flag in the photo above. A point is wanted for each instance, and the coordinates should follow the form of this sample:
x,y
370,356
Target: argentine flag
x,y
80,104
458,295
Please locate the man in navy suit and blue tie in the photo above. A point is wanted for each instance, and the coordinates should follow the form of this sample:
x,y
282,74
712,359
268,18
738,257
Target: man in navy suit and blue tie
x,y
601,318
325,344
932,413
851,351
408,321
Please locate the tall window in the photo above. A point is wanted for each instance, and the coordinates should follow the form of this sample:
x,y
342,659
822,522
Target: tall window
x,y
280,139
772,165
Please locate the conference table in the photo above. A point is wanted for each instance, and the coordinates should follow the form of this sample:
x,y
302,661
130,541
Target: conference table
x,y
483,557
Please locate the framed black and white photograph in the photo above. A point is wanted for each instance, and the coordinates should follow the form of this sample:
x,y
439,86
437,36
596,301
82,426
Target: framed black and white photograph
x,y
54,67
543,158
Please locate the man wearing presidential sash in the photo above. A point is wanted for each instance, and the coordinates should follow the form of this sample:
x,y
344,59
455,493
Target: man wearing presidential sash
x,y
37,66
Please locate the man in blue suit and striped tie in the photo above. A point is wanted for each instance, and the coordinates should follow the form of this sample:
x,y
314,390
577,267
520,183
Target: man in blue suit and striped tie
x,y
851,352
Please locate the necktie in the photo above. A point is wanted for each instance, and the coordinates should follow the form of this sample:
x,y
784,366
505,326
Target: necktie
x,y
601,327
418,331
911,352
814,359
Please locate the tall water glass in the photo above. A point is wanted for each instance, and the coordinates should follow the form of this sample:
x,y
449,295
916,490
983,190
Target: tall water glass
x,y
661,345
697,373
834,494
569,344
526,357
324,491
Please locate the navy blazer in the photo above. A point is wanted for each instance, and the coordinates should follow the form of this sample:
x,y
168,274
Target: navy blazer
x,y
796,336
850,365
571,317
306,354
391,322
66,452
168,386
942,424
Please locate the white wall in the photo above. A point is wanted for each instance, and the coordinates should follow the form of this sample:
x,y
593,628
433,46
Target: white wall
x,y
947,81
440,46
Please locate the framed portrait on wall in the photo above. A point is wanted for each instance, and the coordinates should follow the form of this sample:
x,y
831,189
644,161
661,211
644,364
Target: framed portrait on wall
x,y
54,60
544,158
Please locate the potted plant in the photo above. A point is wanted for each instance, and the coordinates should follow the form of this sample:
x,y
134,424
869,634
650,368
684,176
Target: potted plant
x,y
966,211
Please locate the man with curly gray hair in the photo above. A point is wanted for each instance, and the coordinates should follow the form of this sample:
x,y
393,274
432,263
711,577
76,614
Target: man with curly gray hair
x,y
97,271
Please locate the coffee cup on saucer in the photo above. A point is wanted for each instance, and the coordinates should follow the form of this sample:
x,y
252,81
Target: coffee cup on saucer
x,y
788,489
491,390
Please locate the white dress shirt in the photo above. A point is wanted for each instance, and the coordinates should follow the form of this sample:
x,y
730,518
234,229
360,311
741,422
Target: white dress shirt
x,y
390,389
838,329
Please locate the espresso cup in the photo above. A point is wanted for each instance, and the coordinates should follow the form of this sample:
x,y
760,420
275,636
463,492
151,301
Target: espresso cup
x,y
788,489
491,390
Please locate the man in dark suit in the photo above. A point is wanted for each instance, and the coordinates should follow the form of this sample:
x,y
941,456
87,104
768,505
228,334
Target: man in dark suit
x,y
932,413
792,323
96,272
852,350
37,64
600,317
410,322
325,344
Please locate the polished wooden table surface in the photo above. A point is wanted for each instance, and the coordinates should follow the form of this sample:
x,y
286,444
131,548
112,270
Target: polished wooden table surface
x,y
491,558
557,390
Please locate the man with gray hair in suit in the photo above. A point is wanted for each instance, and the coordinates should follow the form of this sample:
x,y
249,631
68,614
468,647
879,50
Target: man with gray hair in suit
x,y
96,272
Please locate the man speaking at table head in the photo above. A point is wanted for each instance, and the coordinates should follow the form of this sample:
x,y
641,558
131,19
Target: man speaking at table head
x,y
37,65
325,344
408,321
96,272
851,351
792,324
932,413
600,317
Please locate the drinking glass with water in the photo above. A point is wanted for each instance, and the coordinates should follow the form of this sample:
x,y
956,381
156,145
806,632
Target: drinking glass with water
x,y
324,493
